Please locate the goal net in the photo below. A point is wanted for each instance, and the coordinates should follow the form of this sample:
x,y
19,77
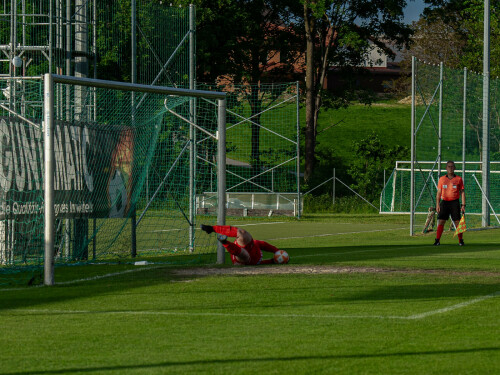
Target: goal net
x,y
105,137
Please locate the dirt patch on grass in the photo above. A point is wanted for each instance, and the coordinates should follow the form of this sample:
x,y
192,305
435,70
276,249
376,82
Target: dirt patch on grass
x,y
269,270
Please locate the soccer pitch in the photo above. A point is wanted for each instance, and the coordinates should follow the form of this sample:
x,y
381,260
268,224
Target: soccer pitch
x,y
358,296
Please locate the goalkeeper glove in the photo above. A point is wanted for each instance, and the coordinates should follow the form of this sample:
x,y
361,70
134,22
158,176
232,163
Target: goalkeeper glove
x,y
207,228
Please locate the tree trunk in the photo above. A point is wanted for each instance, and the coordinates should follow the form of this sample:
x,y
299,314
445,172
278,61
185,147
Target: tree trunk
x,y
310,136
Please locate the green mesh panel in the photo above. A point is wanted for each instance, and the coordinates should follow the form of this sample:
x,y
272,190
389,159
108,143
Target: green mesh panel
x,y
163,146
261,147
104,158
457,140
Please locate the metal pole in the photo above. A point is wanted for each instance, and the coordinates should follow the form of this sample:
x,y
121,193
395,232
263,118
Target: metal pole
x,y
133,215
221,174
51,17
298,150
333,191
67,225
464,122
486,116
412,168
49,215
440,119
192,131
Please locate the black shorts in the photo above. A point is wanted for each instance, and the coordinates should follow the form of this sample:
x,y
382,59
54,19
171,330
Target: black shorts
x,y
448,208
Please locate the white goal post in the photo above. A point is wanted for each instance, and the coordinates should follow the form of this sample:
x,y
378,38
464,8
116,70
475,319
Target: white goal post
x,y
49,158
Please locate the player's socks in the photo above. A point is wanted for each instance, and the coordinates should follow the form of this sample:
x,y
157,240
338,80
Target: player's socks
x,y
439,231
226,229
460,236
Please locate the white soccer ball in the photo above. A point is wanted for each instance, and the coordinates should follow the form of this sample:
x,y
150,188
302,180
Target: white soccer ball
x,y
281,257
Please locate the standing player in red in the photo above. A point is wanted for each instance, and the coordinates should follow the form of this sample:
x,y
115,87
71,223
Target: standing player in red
x,y
450,189
245,250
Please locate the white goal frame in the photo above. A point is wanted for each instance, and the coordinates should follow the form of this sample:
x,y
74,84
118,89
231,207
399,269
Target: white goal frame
x,y
49,158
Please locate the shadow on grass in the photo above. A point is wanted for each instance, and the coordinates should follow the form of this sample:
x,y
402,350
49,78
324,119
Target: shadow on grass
x,y
336,254
206,362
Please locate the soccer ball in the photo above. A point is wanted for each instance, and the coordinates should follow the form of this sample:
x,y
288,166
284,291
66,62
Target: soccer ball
x,y
281,257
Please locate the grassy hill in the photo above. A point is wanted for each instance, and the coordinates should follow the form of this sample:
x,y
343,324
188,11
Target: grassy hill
x,y
390,121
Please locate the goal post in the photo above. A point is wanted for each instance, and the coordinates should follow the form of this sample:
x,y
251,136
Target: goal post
x,y
49,125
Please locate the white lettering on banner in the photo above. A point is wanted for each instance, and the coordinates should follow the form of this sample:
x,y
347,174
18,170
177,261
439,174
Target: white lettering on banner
x,y
60,165
6,157
89,180
27,208
18,157
75,136
70,163
30,147
21,157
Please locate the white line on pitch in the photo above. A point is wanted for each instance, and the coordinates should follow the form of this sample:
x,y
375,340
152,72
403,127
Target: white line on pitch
x,y
86,279
336,234
329,316
165,230
246,225
180,313
348,252
453,307
240,225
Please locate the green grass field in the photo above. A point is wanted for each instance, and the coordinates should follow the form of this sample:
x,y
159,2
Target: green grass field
x,y
359,296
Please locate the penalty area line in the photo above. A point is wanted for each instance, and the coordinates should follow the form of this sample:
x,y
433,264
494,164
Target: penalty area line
x,y
232,315
454,307
335,234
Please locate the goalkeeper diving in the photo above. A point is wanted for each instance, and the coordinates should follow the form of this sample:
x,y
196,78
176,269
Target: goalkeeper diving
x,y
244,250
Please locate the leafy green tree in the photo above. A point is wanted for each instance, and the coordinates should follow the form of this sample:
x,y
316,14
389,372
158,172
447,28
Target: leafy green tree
x,y
372,159
239,41
341,34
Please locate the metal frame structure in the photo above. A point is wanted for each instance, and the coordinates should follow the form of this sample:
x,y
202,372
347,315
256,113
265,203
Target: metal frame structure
x,y
485,166
296,142
49,118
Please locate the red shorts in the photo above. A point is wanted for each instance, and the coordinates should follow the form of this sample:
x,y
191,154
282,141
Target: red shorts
x,y
254,251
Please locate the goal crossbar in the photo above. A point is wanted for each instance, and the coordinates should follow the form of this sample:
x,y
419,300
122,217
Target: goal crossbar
x,y
49,158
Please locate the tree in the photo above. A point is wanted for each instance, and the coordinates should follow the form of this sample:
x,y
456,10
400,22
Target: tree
x,y
239,42
373,159
340,33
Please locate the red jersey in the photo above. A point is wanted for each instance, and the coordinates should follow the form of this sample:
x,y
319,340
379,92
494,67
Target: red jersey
x,y
450,188
254,251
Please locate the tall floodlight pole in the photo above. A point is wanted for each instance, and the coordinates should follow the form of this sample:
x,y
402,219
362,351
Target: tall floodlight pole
x,y
440,119
133,221
412,169
192,131
297,103
486,116
464,123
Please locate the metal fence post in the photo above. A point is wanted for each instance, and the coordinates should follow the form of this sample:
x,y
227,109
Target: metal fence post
x,y
486,116
412,169
49,215
221,174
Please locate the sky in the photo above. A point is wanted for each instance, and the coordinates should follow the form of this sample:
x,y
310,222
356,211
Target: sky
x,y
413,10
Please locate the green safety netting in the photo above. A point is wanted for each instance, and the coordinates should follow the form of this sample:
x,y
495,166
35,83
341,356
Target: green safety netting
x,y
449,126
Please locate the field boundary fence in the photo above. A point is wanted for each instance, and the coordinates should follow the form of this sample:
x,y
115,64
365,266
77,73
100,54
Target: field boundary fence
x,y
449,123
262,166
333,180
